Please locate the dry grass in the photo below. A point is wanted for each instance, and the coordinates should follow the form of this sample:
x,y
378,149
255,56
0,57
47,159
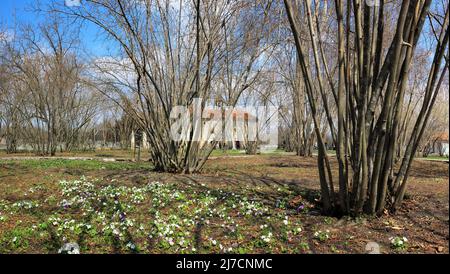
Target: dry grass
x,y
276,183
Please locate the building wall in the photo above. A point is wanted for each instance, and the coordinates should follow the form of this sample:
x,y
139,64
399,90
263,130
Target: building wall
x,y
144,144
441,147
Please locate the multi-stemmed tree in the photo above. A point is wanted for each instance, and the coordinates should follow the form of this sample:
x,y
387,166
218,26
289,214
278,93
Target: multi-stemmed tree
x,y
46,101
172,52
369,95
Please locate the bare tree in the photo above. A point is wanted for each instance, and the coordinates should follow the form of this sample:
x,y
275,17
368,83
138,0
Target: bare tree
x,y
47,93
369,98
173,52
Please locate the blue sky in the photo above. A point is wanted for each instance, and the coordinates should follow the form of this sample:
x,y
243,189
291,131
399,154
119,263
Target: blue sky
x,y
19,10
8,7
12,10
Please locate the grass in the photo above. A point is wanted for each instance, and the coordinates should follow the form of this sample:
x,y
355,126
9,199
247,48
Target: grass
x,y
434,158
76,164
128,154
98,153
154,218
231,152
235,152
248,205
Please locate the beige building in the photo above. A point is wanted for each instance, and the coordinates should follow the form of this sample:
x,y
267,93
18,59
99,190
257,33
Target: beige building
x,y
143,144
238,137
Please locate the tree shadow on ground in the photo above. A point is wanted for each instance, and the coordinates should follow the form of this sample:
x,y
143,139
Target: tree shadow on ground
x,y
239,181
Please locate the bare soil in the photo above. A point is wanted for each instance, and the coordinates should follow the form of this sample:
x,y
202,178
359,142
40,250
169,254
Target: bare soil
x,y
423,219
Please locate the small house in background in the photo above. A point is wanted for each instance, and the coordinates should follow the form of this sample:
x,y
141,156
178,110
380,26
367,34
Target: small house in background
x,y
139,139
440,144
138,142
239,138
2,142
239,131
